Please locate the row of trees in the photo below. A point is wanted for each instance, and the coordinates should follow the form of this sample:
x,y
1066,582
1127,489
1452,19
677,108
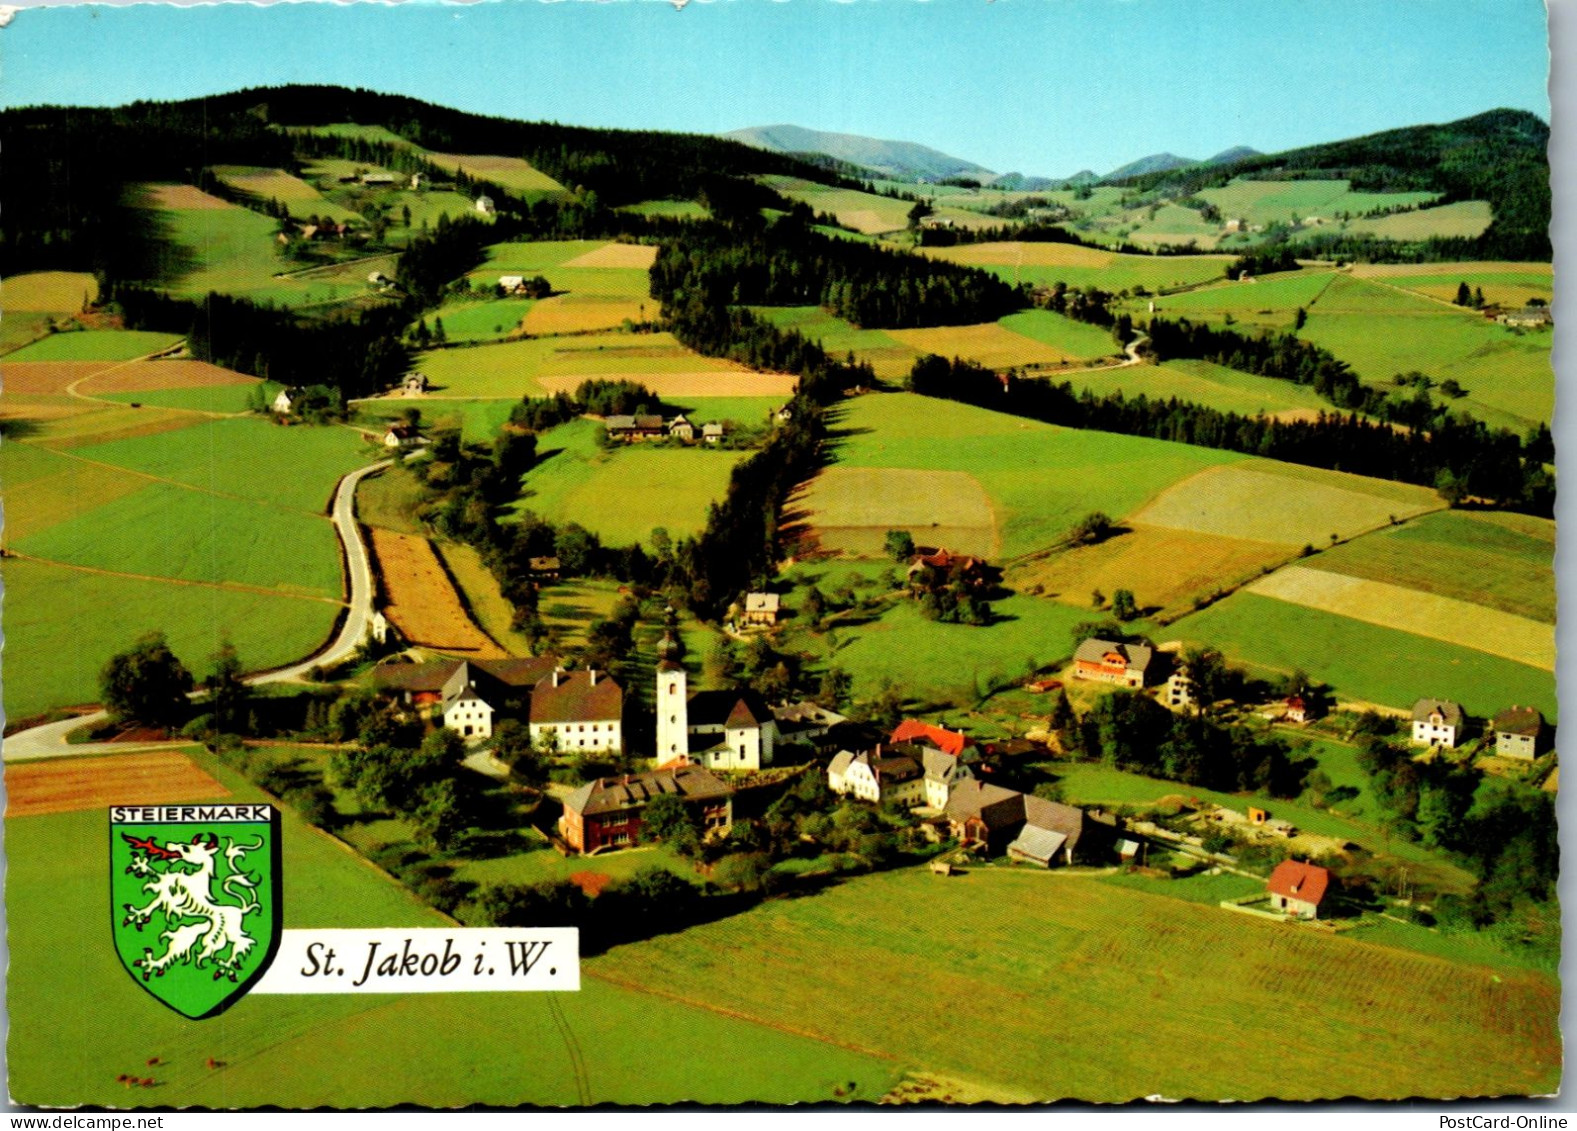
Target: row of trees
x,y
785,263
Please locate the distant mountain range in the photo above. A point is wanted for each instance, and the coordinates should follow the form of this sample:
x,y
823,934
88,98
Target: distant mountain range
x,y
898,160
909,161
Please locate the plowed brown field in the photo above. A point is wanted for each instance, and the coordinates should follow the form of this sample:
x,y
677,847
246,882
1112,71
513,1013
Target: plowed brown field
x,y
67,785
422,602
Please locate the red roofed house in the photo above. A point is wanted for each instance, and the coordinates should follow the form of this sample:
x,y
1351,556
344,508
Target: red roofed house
x,y
584,709
928,734
1297,888
949,566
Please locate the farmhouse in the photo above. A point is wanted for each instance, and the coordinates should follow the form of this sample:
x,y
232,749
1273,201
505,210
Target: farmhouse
x,y
805,721
402,436
681,429
762,608
632,429
377,178
1025,827
414,383
418,180
484,205
1436,722
512,284
544,569
1297,888
878,776
1105,661
1519,732
504,684
1298,709
583,710
606,813
712,433
1529,316
941,772
934,567
284,400
727,730
465,711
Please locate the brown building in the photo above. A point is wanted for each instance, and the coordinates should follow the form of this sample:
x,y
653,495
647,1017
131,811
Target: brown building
x,y
606,813
1022,826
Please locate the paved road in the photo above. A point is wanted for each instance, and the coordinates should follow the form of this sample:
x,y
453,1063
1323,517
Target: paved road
x,y
49,740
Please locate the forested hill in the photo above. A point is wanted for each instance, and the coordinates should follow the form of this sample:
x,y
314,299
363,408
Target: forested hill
x,y
1498,156
65,213
621,166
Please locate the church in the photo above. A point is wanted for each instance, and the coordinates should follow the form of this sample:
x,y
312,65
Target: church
x,y
721,730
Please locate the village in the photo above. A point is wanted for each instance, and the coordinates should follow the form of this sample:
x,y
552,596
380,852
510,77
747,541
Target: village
x,y
965,803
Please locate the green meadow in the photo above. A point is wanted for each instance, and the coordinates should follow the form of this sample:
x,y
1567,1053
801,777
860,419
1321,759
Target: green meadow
x,y
1364,661
1505,371
1046,264
1060,953
1269,202
168,531
1503,561
667,487
481,321
293,467
478,421
96,345
1077,339
206,398
1202,382
71,622
1041,478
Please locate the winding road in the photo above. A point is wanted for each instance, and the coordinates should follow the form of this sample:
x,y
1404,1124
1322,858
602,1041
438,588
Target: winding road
x,y
49,740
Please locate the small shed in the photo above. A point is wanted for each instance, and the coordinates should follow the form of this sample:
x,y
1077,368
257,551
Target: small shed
x,y
941,868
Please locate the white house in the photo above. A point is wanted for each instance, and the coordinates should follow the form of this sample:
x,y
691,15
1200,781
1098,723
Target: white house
x,y
283,401
464,709
401,436
1437,722
583,710
941,771
1178,692
877,778
512,283
484,205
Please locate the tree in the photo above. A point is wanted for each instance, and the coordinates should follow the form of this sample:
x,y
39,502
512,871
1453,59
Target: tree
x,y
918,213
1124,608
899,545
1207,669
1450,488
1097,599
1464,295
1300,319
814,606
512,746
227,692
1092,528
146,684
836,685
667,819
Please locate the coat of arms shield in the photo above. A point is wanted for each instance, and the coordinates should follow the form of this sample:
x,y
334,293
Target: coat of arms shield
x,y
195,906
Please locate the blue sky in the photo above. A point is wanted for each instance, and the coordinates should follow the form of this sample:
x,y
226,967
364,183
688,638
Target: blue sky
x,y
1038,86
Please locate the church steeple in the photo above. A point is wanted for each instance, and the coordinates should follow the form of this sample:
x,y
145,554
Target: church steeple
x,y
670,651
673,696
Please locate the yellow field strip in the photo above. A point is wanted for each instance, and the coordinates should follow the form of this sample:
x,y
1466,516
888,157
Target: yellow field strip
x,y
1409,610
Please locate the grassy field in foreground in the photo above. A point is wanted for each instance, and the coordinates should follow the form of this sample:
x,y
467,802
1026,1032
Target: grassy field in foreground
x,y
437,1050
1043,954
1364,661
69,623
667,487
